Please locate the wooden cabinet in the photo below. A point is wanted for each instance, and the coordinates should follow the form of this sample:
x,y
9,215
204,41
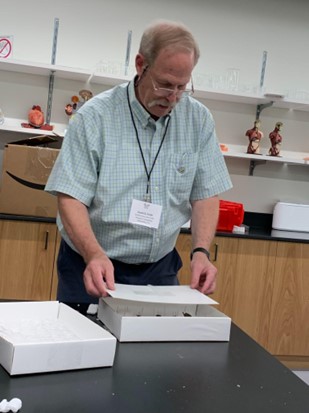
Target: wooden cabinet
x,y
183,246
27,256
264,287
53,294
245,283
290,301
244,280
224,257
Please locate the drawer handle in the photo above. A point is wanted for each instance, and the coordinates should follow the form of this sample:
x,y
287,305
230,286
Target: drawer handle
x,y
216,252
46,239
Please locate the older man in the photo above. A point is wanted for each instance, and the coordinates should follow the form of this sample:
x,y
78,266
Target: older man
x,y
137,162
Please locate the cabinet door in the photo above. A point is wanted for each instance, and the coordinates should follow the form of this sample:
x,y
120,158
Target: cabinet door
x,y
223,261
183,246
254,287
27,251
53,295
224,257
244,280
290,308
245,283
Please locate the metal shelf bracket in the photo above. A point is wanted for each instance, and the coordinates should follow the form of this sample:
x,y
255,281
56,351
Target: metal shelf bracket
x,y
253,164
52,72
261,107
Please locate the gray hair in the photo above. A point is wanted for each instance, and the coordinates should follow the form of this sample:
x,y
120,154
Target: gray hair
x,y
167,34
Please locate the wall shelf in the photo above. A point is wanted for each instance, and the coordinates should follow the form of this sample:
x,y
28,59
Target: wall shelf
x,y
42,69
225,96
14,125
292,105
88,76
288,157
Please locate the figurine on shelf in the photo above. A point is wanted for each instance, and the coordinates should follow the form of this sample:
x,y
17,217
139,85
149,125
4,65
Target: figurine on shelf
x,y
85,95
276,140
254,135
36,116
36,119
69,109
72,108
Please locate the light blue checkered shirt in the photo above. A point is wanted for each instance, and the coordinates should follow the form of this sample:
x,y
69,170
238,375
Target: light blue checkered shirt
x,y
100,164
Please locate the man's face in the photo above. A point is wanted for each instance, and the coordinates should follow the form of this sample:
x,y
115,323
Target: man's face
x,y
171,70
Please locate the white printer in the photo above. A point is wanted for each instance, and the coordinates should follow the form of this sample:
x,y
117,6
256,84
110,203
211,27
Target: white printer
x,y
291,217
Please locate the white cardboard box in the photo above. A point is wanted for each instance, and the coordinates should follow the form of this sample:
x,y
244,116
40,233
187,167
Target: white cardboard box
x,y
50,336
146,321
291,217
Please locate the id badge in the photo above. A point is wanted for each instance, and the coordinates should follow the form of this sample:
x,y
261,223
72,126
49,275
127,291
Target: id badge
x,y
145,213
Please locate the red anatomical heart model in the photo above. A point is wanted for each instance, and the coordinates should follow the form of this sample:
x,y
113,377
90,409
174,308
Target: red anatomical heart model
x,y
36,116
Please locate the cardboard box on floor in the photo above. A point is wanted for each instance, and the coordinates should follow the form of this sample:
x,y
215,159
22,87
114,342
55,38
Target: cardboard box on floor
x,y
49,336
25,172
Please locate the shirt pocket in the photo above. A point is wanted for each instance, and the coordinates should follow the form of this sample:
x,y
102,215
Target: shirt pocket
x,y
181,176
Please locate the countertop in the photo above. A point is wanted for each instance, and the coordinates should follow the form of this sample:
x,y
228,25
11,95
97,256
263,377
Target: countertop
x,y
186,377
259,227
11,217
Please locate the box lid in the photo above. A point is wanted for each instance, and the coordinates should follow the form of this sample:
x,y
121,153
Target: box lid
x,y
166,294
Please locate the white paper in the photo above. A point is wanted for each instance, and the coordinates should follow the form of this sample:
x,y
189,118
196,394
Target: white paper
x,y
167,294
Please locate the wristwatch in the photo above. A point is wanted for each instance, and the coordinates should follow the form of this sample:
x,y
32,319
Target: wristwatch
x,y
200,249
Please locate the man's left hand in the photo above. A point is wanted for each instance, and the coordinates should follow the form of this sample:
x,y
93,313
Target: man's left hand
x,y
203,274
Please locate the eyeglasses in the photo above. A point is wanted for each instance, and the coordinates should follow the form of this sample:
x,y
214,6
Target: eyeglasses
x,y
165,92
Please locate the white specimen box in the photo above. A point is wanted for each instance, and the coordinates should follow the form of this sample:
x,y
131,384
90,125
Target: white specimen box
x,y
291,217
135,321
50,336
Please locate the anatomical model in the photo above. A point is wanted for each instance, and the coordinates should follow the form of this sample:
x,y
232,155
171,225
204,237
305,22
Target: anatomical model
x,y
254,135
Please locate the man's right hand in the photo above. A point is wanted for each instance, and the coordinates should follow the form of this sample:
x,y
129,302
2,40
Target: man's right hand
x,y
99,276
99,272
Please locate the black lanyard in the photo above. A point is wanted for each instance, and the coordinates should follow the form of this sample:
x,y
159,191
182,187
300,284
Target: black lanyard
x,y
148,195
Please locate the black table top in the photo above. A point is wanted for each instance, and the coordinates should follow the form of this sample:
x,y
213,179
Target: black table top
x,y
238,376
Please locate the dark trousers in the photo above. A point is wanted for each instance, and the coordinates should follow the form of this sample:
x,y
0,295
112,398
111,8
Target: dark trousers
x,y
71,266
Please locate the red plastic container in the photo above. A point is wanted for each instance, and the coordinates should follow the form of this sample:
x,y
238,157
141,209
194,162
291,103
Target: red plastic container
x,y
230,214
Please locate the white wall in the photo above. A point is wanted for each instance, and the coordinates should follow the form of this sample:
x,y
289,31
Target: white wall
x,y
231,33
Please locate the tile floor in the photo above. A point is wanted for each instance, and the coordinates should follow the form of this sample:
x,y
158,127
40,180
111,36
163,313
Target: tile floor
x,y
302,374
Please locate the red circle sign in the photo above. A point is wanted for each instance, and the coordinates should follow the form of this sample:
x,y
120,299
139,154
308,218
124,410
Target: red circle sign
x,y
5,47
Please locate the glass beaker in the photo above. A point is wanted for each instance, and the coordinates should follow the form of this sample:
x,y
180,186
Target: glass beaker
x,y
1,117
